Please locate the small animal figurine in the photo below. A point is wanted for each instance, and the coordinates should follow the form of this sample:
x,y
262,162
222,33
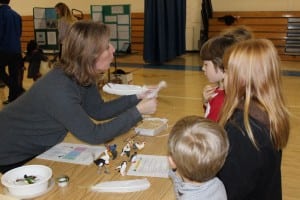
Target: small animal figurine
x,y
28,179
106,156
133,157
138,145
131,142
126,150
113,150
122,168
102,162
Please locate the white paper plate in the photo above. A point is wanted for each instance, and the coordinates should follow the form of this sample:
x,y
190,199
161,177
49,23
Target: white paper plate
x,y
122,89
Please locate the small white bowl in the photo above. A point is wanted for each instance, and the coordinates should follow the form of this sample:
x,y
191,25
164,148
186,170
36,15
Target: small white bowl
x,y
12,180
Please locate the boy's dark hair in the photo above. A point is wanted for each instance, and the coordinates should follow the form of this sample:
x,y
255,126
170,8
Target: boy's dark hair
x,y
31,46
4,1
214,49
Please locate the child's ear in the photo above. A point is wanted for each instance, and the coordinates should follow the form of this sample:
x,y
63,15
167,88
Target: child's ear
x,y
171,162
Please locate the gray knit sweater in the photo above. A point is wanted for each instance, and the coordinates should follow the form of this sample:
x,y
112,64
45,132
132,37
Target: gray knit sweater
x,y
54,105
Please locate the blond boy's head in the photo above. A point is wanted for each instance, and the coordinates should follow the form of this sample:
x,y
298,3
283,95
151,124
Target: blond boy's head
x,y
197,148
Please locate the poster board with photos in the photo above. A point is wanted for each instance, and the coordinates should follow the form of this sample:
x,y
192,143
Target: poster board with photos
x,y
45,29
117,17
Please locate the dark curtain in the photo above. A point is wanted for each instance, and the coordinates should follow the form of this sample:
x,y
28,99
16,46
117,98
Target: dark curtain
x,y
206,13
164,30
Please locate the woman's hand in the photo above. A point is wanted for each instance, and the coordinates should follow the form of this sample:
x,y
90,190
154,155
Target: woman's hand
x,y
147,106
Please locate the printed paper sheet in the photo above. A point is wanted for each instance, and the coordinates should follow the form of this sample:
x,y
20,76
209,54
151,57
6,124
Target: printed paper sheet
x,y
150,165
73,153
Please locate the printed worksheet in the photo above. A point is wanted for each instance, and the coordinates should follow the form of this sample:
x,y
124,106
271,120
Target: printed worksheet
x,y
73,153
150,165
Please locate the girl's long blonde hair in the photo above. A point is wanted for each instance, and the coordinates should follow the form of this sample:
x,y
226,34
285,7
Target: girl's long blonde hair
x,y
253,76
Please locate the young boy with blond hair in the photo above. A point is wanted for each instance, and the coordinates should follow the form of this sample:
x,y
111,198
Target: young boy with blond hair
x,y
197,149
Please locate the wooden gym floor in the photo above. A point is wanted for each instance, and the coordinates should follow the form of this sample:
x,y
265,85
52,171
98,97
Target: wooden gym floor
x,y
183,97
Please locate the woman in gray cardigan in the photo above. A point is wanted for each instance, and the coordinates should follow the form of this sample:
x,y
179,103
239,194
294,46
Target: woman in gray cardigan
x,y
67,99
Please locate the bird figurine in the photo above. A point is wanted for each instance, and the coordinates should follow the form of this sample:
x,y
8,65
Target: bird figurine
x,y
138,145
102,162
106,156
126,150
133,157
113,150
122,168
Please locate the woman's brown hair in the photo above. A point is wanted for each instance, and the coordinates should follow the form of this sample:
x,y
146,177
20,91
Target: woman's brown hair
x,y
85,42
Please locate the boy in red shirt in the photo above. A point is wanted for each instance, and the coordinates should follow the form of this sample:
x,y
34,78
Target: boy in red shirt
x,y
212,54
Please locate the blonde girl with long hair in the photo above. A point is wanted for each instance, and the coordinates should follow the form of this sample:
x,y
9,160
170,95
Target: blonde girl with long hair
x,y
256,120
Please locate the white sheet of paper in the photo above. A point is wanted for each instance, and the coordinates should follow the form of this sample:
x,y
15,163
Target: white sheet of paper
x,y
51,35
113,30
123,28
41,37
97,17
123,35
40,24
73,153
123,19
110,18
96,8
117,9
150,165
39,12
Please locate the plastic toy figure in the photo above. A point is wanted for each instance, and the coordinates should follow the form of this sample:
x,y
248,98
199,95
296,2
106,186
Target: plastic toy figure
x,y
133,157
28,179
102,161
112,149
126,150
106,156
138,145
122,168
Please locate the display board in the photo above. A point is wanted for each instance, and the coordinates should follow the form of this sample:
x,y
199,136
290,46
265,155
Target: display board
x,y
45,29
117,17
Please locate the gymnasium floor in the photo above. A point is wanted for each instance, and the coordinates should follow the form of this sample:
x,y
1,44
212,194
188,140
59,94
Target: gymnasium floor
x,y
183,97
